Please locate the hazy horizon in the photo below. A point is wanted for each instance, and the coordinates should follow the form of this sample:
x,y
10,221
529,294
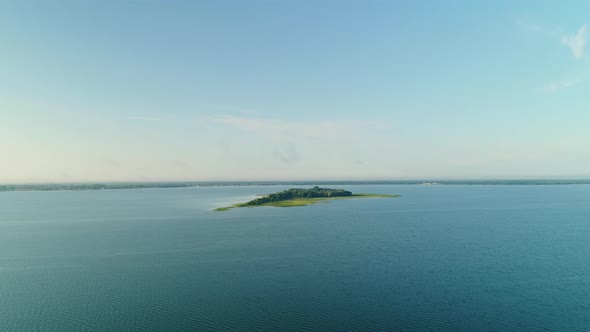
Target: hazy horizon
x,y
582,180
293,91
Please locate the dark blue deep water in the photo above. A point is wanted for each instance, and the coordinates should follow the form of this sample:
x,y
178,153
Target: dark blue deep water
x,y
440,258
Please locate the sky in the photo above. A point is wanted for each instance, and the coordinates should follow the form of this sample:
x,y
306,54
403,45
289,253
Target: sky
x,y
158,90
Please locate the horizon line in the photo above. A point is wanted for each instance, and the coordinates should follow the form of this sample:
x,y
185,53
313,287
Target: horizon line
x,y
412,180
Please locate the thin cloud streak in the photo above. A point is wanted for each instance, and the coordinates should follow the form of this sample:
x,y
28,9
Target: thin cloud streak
x,y
577,42
279,130
143,118
557,86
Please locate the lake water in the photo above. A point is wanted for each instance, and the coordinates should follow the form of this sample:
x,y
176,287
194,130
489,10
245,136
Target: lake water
x,y
440,258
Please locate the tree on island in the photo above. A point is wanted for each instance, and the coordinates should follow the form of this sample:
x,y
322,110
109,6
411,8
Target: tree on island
x,y
299,193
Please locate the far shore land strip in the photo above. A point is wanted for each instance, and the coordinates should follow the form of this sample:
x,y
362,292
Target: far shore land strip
x,y
302,197
81,186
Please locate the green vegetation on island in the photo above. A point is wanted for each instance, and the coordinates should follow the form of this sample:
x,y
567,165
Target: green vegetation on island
x,y
302,197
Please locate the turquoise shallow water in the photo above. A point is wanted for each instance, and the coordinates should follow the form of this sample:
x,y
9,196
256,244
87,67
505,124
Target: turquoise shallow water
x,y
440,258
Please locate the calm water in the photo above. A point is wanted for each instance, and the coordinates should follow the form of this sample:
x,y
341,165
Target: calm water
x,y
446,258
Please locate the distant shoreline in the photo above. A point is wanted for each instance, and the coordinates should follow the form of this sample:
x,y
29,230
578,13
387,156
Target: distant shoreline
x,y
153,185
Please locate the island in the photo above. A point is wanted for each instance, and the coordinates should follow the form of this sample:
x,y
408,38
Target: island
x,y
302,197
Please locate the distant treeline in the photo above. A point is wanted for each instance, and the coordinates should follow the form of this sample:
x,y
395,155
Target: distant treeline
x,y
145,185
89,186
314,192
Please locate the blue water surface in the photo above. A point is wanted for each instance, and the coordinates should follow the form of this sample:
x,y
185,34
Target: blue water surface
x,y
440,258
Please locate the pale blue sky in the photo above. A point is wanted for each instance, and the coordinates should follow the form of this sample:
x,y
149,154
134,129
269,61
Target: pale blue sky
x,y
279,90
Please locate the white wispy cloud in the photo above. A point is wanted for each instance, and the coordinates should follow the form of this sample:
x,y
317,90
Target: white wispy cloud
x,y
281,130
290,139
528,24
577,42
556,86
143,118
